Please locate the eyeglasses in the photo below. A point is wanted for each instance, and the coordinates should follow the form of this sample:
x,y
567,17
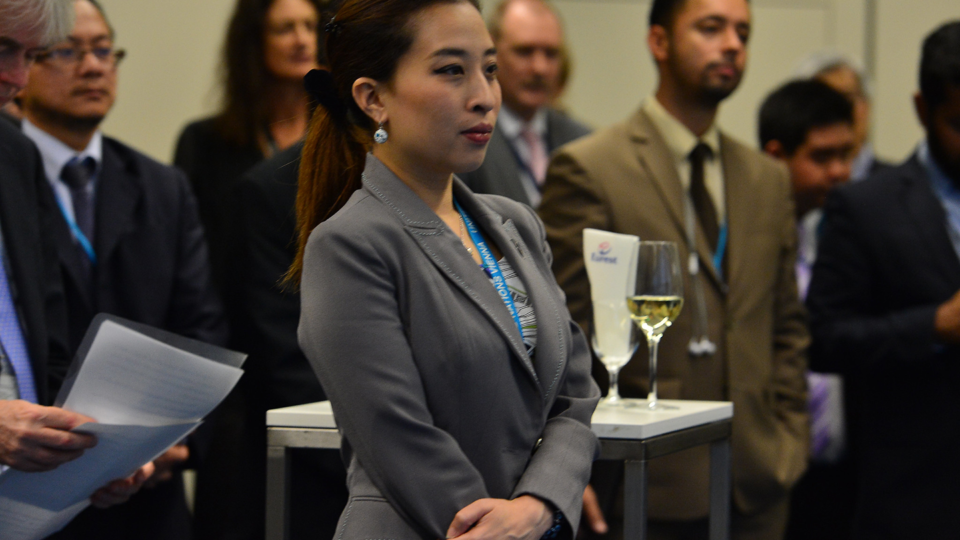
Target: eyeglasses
x,y
69,57
14,55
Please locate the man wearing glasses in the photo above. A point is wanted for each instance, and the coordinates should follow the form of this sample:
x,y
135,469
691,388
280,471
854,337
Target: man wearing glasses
x,y
33,356
128,238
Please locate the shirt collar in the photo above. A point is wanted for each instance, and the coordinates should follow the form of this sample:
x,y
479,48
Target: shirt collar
x,y
678,138
860,167
56,154
512,125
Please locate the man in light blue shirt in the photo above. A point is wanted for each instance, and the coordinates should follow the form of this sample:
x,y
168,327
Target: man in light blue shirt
x,y
885,312
33,437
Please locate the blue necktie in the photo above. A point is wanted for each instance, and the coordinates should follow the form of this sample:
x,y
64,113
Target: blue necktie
x,y
11,337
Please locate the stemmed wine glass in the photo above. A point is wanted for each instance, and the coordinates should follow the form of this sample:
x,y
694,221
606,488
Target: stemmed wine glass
x,y
657,299
614,340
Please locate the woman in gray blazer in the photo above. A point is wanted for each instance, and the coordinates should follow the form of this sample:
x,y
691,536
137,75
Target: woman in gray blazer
x,y
430,314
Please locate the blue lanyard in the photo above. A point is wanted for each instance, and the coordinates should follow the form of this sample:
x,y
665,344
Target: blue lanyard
x,y
721,250
491,266
78,234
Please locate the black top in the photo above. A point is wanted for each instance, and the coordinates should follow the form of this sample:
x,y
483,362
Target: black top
x,y
214,166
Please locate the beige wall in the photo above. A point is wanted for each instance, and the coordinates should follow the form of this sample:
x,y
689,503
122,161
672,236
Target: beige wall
x,y
901,27
169,76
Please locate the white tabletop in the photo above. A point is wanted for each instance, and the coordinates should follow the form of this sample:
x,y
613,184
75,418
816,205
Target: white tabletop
x,y
631,420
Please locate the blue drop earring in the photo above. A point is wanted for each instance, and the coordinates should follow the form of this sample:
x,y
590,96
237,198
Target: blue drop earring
x,y
380,136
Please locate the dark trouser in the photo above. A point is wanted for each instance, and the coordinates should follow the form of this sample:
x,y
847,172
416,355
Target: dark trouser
x,y
767,525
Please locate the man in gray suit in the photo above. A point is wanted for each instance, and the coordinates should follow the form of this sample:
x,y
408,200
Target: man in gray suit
x,y
530,54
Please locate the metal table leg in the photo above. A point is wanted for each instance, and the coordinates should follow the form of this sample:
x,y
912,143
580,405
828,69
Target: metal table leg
x,y
279,441
635,500
278,492
720,489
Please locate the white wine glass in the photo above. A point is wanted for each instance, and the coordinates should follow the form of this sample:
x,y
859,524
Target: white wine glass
x,y
614,340
657,299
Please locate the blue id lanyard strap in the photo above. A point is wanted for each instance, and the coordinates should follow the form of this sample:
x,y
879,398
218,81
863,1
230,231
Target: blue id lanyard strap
x,y
492,266
78,234
721,250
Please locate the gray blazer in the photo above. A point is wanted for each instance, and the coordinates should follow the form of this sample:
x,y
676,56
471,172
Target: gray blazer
x,y
437,400
500,173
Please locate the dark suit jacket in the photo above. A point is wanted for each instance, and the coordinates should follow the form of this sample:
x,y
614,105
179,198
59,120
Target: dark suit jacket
x,y
437,399
32,259
622,179
152,261
152,267
884,265
230,496
500,173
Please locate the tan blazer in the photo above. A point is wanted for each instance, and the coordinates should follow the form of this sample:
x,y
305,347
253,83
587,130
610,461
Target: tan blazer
x,y
621,179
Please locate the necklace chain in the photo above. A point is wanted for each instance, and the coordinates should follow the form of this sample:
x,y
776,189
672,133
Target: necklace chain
x,y
462,241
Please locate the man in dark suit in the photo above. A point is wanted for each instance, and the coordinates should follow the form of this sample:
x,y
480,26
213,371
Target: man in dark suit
x,y
885,312
128,238
32,437
33,351
530,50
669,173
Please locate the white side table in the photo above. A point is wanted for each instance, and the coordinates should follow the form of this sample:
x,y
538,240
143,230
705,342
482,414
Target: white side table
x,y
629,433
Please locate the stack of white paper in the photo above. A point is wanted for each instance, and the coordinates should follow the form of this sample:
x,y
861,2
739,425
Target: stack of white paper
x,y
145,394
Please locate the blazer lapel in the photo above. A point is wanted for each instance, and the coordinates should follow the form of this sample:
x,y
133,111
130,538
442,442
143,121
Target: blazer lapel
x,y
927,215
445,250
548,362
740,198
662,173
118,194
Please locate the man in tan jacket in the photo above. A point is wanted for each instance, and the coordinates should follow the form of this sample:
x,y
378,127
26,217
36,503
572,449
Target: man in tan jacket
x,y
668,173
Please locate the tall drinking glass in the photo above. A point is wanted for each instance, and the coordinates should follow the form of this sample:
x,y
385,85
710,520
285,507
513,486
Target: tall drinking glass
x,y
614,340
657,299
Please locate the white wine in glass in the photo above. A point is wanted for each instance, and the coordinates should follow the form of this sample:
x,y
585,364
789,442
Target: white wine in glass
x,y
657,299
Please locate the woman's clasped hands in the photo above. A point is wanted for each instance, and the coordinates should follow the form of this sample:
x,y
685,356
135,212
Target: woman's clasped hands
x,y
523,518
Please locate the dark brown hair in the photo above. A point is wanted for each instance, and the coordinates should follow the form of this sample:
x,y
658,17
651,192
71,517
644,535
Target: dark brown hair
x,y
367,38
244,72
940,63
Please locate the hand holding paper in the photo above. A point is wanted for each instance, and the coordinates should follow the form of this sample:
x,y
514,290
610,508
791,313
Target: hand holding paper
x,y
35,438
148,389
120,491
167,463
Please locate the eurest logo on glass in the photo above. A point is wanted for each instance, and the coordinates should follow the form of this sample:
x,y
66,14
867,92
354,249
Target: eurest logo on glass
x,y
602,254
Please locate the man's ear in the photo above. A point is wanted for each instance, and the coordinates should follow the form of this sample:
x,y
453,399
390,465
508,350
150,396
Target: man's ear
x,y
368,95
775,149
659,42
